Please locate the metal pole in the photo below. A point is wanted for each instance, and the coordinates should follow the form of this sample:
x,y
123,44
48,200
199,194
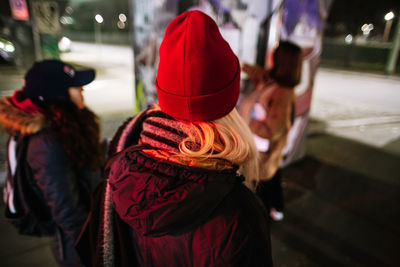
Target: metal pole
x,y
97,32
394,52
386,32
131,25
35,34
267,31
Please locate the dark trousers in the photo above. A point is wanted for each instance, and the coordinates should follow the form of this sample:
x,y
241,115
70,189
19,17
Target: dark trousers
x,y
271,192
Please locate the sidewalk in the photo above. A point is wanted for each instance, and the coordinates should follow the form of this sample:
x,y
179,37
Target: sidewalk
x,y
341,207
358,106
341,210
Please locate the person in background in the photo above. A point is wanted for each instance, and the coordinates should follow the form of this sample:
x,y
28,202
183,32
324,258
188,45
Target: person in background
x,y
54,147
269,111
180,182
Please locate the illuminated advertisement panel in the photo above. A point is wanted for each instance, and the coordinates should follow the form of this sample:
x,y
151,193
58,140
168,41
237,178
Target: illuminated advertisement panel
x,y
302,23
253,29
19,9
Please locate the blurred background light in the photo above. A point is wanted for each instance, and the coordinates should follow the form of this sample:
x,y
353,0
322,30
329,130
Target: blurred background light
x,y
99,18
122,17
348,39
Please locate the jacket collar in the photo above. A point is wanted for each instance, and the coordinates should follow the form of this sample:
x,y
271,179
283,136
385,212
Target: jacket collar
x,y
15,120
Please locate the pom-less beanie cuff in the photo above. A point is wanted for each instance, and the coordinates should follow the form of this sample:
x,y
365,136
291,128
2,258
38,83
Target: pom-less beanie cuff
x,y
203,107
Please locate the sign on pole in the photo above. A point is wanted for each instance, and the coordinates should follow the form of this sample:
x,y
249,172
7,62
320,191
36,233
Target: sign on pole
x,y
19,9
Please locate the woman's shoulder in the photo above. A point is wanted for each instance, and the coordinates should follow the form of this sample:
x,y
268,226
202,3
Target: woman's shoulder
x,y
242,219
45,136
46,143
243,205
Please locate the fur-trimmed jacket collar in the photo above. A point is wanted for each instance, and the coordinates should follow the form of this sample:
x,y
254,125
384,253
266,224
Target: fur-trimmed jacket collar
x,y
15,121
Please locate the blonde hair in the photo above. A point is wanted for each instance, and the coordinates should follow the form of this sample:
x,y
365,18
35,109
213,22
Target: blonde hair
x,y
226,138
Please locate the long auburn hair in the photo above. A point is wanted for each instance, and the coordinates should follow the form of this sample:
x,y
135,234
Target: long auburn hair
x,y
78,131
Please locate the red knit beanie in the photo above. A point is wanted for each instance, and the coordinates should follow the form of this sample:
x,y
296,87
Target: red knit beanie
x,y
198,76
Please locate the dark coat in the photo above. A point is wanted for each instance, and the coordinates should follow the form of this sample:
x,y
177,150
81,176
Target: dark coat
x,y
153,212
63,189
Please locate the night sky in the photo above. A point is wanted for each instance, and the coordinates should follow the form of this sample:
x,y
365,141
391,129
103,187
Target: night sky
x,y
348,16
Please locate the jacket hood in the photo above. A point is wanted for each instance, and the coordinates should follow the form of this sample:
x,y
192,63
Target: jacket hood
x,y
14,120
157,197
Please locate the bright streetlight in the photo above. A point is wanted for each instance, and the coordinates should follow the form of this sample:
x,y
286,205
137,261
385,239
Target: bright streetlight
x,y
99,19
389,19
348,39
97,28
122,17
367,28
121,21
389,16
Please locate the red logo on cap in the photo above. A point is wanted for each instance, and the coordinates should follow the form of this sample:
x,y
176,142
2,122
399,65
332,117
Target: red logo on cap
x,y
69,71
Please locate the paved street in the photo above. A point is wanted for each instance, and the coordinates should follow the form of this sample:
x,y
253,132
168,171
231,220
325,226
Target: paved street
x,y
341,200
361,107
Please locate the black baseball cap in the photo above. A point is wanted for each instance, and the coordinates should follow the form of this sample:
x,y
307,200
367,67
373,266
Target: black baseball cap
x,y
50,79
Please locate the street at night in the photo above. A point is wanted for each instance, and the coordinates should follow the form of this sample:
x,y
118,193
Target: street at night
x,y
341,198
316,86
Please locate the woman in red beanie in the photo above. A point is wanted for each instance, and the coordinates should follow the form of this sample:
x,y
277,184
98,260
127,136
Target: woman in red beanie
x,y
180,182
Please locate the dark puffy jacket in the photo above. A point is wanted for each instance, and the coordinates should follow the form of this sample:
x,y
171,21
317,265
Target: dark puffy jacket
x,y
168,214
185,216
63,189
153,212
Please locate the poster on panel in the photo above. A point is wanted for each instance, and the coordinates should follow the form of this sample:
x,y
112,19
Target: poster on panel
x,y
19,9
240,23
253,29
302,23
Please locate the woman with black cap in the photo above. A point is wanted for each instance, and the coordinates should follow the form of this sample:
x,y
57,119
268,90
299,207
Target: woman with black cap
x,y
54,155
179,187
